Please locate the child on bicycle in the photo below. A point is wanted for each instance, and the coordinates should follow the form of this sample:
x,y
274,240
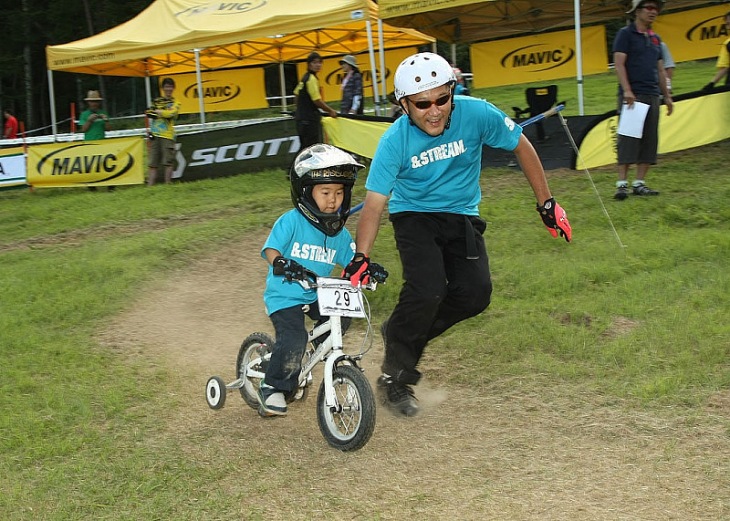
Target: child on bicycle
x,y
312,236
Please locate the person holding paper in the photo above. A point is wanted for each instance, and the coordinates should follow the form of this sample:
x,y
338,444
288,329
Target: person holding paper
x,y
637,56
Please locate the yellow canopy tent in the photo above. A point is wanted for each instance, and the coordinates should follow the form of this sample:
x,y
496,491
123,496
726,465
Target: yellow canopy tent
x,y
176,36
466,21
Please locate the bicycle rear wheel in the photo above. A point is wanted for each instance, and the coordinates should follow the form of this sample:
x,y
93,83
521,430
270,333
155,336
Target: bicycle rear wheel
x,y
350,423
253,359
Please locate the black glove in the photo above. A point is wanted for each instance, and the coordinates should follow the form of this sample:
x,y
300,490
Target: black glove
x,y
377,272
555,219
708,87
290,269
357,270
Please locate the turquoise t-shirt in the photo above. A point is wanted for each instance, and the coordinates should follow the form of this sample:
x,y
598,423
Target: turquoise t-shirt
x,y
422,173
296,239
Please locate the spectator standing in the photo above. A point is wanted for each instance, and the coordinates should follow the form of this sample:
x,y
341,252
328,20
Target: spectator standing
x,y
723,60
309,100
427,169
162,116
94,122
10,130
637,56
352,98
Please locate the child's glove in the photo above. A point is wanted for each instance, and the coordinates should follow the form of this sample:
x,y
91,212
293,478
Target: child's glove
x,y
555,219
290,269
357,270
377,272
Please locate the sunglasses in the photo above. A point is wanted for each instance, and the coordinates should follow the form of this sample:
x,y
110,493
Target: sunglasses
x,y
426,104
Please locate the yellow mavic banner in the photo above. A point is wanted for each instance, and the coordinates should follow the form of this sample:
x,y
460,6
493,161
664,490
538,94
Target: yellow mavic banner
x,y
693,34
105,162
694,122
356,136
539,57
232,89
331,75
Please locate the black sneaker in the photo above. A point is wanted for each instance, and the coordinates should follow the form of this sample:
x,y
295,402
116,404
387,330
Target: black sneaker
x,y
622,192
397,396
271,401
642,189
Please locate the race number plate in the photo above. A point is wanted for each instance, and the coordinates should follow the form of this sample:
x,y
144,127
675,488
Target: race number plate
x,y
338,297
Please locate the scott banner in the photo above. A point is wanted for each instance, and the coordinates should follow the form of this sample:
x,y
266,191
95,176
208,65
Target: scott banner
x,y
331,75
539,57
232,89
118,161
693,34
12,166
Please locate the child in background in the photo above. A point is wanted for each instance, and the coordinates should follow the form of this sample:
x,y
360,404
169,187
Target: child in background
x,y
310,236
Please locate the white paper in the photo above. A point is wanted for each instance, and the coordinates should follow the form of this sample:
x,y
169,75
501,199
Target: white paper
x,y
631,121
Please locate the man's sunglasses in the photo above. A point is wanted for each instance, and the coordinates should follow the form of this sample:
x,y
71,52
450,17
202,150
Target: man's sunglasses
x,y
426,104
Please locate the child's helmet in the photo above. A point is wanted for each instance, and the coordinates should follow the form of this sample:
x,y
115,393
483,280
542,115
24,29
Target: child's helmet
x,y
420,72
323,164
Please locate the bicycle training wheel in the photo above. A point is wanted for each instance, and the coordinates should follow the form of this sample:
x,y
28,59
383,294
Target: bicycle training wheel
x,y
349,425
253,359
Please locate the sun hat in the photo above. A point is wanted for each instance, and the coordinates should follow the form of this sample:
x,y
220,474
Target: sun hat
x,y
93,95
349,59
635,4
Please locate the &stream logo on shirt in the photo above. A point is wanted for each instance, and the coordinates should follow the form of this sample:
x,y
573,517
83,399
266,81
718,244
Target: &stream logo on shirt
x,y
439,153
313,252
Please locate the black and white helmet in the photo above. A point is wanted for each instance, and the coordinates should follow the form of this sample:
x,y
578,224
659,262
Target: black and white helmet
x,y
323,164
421,72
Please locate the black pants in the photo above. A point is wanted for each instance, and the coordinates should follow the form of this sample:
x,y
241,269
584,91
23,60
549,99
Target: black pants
x,y
446,280
310,132
291,342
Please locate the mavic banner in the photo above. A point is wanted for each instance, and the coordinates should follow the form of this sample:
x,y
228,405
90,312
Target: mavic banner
x,y
106,162
331,75
693,34
12,166
539,57
695,122
232,89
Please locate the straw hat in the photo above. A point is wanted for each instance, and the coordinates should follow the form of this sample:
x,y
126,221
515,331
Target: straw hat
x,y
349,59
635,4
93,95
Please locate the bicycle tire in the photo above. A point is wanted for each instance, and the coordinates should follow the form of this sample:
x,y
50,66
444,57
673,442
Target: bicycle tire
x,y
350,425
253,349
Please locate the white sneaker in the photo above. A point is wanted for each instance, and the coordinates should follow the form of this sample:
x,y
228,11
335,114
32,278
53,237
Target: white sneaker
x,y
271,401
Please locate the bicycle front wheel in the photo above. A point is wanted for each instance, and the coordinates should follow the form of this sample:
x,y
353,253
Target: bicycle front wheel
x,y
349,424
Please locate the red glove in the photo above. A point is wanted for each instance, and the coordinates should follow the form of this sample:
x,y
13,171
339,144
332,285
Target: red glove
x,y
555,219
357,270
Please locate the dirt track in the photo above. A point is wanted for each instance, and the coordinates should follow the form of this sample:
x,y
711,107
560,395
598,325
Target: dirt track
x,y
518,449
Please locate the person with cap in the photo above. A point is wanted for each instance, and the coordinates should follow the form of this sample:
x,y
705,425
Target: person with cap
x,y
162,114
94,122
427,169
352,99
723,60
639,64
309,101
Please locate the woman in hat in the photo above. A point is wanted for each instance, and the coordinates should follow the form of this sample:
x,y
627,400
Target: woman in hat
x,y
352,100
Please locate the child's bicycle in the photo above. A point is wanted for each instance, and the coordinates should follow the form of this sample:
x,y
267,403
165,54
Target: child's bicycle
x,y
345,402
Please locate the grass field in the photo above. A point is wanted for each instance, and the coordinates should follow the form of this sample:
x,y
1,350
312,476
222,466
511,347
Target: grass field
x,y
88,432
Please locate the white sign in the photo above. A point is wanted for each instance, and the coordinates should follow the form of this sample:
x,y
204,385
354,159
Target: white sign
x,y
339,297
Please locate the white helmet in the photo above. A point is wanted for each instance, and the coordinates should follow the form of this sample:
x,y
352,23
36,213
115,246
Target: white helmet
x,y
420,72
